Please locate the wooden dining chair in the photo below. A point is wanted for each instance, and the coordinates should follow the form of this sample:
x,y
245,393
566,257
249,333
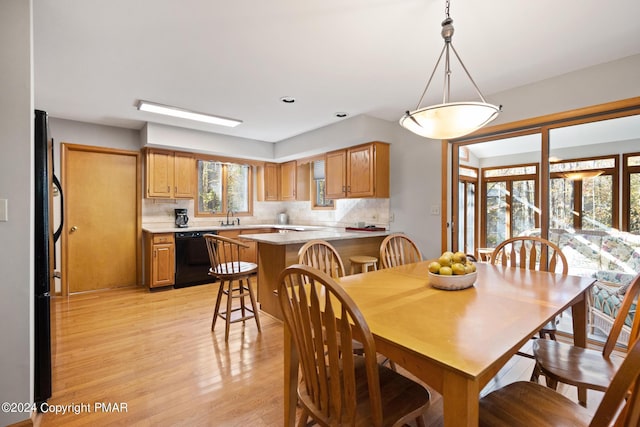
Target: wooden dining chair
x,y
529,404
583,367
323,256
338,387
235,281
398,249
532,253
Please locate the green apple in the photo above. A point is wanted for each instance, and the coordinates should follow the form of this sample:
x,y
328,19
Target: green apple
x,y
460,257
445,260
434,267
446,271
458,268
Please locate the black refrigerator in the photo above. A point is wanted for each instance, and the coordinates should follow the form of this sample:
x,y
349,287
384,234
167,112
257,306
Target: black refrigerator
x,y
44,257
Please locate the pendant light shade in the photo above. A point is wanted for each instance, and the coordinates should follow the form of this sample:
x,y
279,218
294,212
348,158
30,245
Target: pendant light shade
x,y
450,119
447,121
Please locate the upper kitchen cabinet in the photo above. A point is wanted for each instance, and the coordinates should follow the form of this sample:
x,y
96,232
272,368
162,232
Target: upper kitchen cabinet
x,y
360,171
286,181
269,182
294,181
170,174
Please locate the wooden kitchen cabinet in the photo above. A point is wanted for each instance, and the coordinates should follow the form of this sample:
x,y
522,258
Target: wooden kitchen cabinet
x,y
360,171
294,181
160,262
269,182
288,181
170,174
184,176
285,181
335,165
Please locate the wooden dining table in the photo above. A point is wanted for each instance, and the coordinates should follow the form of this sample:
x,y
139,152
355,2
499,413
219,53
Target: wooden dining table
x,y
454,341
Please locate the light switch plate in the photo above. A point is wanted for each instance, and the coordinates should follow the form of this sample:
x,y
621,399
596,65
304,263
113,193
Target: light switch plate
x,y
4,210
435,210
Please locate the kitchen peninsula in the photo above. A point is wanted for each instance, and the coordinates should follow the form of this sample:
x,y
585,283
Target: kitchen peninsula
x,y
276,251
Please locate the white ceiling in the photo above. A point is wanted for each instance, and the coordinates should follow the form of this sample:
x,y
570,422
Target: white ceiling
x,y
95,59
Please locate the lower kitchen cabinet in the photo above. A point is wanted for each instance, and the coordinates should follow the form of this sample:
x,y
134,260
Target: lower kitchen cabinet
x,y
160,261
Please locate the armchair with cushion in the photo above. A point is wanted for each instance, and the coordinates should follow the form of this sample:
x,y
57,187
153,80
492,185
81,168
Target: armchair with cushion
x,y
612,258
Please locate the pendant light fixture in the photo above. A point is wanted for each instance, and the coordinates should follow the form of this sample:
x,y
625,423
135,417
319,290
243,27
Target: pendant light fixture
x,y
450,119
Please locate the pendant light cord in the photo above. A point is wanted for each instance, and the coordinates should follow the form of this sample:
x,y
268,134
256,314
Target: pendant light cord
x,y
447,35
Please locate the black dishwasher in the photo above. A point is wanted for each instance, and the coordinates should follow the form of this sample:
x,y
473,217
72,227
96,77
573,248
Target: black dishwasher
x,y
192,259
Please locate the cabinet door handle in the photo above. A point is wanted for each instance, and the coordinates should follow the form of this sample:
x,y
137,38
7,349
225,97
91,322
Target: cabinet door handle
x,y
168,189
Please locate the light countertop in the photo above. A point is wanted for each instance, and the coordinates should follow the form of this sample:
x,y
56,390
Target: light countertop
x,y
304,236
171,228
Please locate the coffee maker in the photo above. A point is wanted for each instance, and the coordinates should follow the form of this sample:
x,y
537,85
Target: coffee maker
x,y
181,218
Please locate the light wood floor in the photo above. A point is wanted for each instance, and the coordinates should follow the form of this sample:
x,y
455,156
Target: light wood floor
x,y
154,352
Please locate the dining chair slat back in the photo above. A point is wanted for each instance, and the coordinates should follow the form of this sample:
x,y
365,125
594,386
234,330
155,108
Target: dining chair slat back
x,y
323,256
398,249
338,387
532,253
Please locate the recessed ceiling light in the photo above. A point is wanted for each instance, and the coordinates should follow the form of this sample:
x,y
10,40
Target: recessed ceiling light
x,y
167,110
288,99
341,115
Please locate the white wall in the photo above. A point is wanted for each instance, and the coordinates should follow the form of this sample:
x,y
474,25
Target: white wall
x,y
170,137
16,186
602,83
415,188
346,133
72,132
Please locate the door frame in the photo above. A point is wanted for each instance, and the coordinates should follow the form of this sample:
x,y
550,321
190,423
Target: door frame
x,y
65,149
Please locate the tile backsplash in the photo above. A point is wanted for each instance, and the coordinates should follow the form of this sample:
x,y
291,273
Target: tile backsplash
x,y
347,213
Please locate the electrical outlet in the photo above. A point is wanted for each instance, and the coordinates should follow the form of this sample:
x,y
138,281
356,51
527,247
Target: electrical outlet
x,y
435,210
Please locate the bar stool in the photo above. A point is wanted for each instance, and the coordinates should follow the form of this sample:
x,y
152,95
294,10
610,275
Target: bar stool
x,y
362,263
235,281
484,254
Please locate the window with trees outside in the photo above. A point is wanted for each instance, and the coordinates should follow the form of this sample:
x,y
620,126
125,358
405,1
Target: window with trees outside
x,y
319,201
583,194
223,187
588,176
631,200
468,194
509,204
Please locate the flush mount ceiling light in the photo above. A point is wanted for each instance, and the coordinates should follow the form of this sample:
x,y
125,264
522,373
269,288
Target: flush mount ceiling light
x,y
167,110
581,175
450,119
